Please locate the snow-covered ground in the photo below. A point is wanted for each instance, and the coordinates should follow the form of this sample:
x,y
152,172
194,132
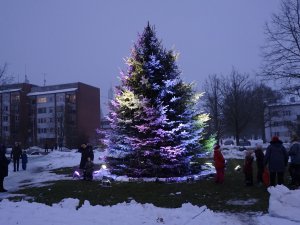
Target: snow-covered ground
x,y
284,207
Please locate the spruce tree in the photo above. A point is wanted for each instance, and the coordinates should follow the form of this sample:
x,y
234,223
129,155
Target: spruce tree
x,y
154,116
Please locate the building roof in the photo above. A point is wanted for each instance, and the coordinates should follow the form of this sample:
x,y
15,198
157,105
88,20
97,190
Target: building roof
x,y
10,90
51,92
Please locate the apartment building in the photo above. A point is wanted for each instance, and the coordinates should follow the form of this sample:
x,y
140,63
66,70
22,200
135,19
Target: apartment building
x,y
66,114
14,110
283,119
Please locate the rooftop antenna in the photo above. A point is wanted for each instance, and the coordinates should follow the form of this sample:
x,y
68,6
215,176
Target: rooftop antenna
x,y
44,79
26,78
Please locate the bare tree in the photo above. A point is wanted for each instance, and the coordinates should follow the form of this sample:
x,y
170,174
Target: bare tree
x,y
213,100
281,52
4,77
262,96
238,102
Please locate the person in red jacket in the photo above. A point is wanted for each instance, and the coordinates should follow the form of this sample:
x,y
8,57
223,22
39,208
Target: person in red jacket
x,y
219,164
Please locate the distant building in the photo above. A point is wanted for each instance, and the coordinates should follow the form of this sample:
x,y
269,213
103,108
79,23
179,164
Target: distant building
x,y
14,111
66,114
283,119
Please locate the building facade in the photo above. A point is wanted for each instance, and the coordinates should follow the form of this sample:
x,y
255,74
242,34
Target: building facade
x,y
283,120
64,114
14,111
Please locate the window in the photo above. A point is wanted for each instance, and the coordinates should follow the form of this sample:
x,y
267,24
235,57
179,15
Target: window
x,y
42,110
41,100
71,98
15,97
275,113
42,130
5,118
42,120
60,108
60,98
5,108
286,113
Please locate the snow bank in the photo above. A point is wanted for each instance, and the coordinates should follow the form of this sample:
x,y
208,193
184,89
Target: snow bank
x,y
129,213
284,203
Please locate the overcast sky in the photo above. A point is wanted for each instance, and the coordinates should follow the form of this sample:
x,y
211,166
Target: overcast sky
x,y
87,40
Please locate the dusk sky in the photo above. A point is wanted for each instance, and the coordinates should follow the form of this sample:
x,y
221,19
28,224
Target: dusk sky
x,y
87,41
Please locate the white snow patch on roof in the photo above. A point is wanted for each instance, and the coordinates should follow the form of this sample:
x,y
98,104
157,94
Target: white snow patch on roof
x,y
10,90
51,92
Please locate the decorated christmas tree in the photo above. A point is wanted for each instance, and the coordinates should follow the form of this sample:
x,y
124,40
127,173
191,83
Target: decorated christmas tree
x,y
155,120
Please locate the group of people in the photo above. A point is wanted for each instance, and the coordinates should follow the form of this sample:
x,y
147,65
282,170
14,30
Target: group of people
x,y
274,162
15,155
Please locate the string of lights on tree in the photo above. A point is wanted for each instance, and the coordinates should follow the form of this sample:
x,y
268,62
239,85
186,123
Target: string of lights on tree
x,y
155,118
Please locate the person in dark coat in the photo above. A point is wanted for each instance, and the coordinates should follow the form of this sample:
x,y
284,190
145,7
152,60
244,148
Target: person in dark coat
x,y
24,160
259,155
90,151
3,167
294,167
248,169
276,158
15,154
88,169
46,147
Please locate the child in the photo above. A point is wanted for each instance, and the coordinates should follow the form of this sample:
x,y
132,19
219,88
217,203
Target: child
x,y
248,170
24,160
219,164
88,170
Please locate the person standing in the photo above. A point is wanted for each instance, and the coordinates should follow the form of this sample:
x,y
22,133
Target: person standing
x,y
24,160
84,156
219,164
276,158
46,147
259,155
294,166
16,155
3,167
90,151
248,169
88,170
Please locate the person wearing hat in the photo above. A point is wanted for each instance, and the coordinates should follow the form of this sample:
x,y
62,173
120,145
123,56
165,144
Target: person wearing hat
x,y
294,167
219,164
276,158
